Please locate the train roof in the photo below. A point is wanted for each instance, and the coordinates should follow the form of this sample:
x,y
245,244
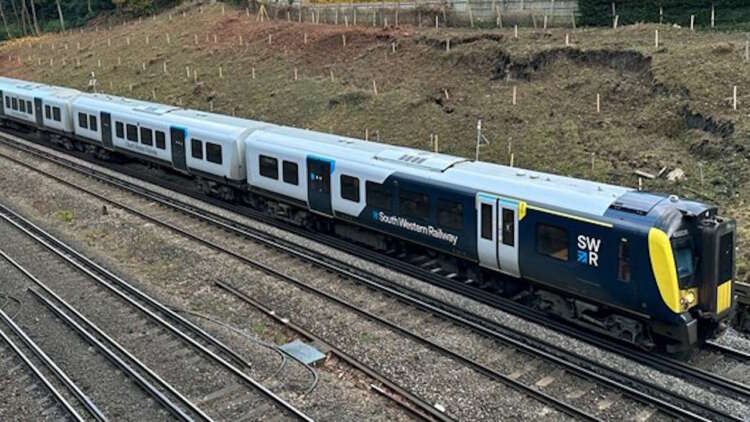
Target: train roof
x,y
539,188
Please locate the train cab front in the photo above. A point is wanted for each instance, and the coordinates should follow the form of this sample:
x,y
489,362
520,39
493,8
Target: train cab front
x,y
701,244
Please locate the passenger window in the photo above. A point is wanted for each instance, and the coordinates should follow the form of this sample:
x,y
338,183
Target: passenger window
x,y
350,188
92,123
414,204
552,241
83,121
132,132
7,102
48,112
15,104
29,109
23,106
269,167
196,148
56,114
623,263
161,141
450,214
213,153
509,227
147,136
378,196
119,130
487,219
290,172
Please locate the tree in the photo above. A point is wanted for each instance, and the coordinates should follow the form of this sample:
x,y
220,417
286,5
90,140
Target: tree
x,y
60,14
5,22
33,13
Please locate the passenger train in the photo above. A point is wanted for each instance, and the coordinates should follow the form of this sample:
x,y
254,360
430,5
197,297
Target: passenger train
x,y
650,269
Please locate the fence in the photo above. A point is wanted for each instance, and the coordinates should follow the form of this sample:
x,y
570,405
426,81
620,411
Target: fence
x,y
428,12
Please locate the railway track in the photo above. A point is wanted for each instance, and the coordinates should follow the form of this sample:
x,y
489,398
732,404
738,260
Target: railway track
x,y
660,399
34,382
160,342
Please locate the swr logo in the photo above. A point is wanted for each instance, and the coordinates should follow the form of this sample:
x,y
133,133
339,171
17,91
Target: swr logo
x,y
588,250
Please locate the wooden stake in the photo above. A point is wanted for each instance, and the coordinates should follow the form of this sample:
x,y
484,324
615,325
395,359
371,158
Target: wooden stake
x,y
343,39
692,22
269,39
331,71
366,134
512,156
221,73
747,51
374,87
499,19
305,37
734,98
295,73
143,65
99,63
544,23
437,25
448,45
437,148
614,25
592,162
567,39
598,103
713,15
656,38
165,68
515,93
515,31
253,72
187,72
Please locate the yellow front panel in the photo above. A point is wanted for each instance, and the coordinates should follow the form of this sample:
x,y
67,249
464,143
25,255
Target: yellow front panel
x,y
724,297
663,266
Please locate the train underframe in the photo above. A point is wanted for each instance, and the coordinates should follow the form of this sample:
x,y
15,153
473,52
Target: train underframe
x,y
641,333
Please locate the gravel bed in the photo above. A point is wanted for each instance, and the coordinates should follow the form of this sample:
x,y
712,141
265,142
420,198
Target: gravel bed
x,y
116,395
128,246
615,361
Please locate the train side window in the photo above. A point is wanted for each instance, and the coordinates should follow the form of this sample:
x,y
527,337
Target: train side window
x,y
23,106
83,121
509,227
56,114
213,153
119,130
29,109
487,219
14,103
269,167
161,140
132,133
92,123
552,241
414,204
147,136
48,112
378,196
7,102
350,188
450,214
290,172
623,263
196,148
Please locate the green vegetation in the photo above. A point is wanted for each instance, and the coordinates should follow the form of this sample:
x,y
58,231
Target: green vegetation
x,y
66,216
728,14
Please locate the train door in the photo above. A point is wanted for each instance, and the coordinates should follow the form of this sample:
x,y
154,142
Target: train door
x,y
319,185
38,111
487,231
178,135
106,120
507,244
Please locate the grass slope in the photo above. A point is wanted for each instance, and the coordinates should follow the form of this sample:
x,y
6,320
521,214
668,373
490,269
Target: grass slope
x,y
667,107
